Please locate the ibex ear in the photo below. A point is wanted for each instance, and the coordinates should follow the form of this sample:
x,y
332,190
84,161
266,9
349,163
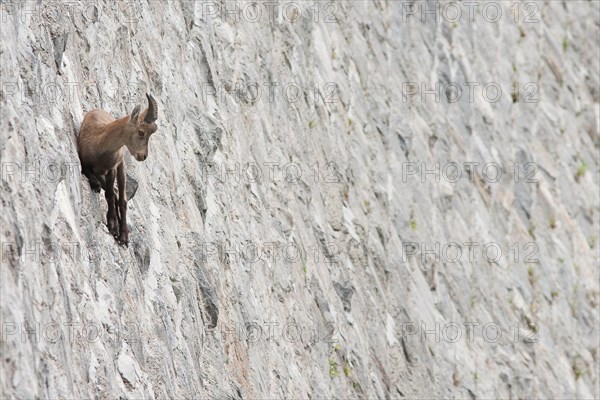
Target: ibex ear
x,y
135,114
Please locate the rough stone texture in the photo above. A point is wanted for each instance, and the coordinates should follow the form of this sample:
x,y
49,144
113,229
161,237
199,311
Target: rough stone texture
x,y
159,319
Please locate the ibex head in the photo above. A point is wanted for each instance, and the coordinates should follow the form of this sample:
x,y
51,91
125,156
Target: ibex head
x,y
139,129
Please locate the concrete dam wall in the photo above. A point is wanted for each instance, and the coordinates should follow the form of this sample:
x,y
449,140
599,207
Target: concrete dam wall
x,y
350,199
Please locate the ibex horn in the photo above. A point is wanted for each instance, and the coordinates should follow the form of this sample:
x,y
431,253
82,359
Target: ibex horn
x,y
152,113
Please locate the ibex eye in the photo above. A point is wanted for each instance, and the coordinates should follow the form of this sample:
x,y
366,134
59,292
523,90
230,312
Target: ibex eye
x,y
141,133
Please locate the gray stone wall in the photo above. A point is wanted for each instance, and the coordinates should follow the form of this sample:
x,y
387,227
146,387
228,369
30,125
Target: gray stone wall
x,y
343,200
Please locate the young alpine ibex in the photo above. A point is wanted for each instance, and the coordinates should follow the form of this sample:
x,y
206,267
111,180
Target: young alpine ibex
x,y
101,148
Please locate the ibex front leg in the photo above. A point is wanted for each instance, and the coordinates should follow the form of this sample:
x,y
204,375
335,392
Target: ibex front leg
x,y
109,193
122,183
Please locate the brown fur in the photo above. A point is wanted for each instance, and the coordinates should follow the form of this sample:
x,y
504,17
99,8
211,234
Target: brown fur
x,y
101,145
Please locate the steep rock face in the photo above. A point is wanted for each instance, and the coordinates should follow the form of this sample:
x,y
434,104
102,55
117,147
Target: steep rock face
x,y
286,237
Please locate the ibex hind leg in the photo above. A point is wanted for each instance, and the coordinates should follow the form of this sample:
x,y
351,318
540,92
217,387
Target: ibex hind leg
x,y
109,194
95,183
118,211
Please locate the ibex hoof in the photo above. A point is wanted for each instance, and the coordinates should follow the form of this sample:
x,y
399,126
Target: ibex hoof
x,y
123,241
113,228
